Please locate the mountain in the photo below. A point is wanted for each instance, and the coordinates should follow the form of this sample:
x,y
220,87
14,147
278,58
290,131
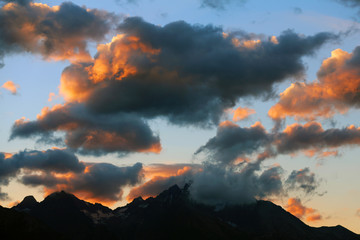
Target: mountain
x,y
16,225
170,215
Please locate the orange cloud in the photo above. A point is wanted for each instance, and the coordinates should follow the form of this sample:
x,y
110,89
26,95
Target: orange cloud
x,y
335,91
11,87
112,62
226,124
162,177
39,28
92,134
97,183
296,208
242,113
166,170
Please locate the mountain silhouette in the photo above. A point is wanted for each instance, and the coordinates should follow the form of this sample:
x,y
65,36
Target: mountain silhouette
x,y
170,215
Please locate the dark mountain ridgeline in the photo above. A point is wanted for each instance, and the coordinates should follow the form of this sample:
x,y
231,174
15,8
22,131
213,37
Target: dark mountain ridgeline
x,y
170,215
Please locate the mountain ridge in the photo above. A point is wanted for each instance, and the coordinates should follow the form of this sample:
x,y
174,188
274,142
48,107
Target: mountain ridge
x,y
172,214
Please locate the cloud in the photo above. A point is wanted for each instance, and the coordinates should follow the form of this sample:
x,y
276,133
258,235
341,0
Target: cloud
x,y
60,169
102,182
188,74
296,208
50,161
163,177
312,136
214,184
242,113
218,184
218,4
11,87
56,33
302,179
233,143
90,133
335,91
53,160
20,2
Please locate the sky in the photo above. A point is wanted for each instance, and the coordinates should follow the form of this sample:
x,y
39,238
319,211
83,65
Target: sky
x,y
111,100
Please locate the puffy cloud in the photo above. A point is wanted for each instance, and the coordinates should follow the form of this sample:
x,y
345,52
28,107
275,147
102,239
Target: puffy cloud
x,y
188,74
296,208
312,136
90,133
335,91
102,182
218,184
11,87
53,160
233,142
60,169
57,33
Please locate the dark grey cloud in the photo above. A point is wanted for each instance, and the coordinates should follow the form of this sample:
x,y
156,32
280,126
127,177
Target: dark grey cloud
x,y
218,184
312,136
50,161
90,133
57,169
187,74
304,180
197,72
46,179
56,34
53,160
232,141
101,181
20,2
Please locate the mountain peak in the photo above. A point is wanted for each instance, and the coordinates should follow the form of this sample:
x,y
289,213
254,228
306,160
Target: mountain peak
x,y
60,194
26,204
